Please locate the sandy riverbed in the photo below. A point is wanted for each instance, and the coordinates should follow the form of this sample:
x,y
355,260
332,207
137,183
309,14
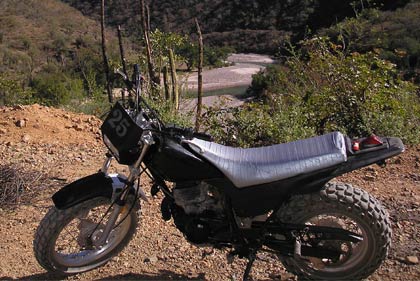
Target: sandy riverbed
x,y
237,75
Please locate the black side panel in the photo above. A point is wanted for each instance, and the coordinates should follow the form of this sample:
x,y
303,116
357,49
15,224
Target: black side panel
x,y
259,199
174,163
83,189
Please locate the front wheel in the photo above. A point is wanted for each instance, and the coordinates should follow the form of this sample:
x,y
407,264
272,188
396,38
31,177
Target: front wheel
x,y
65,239
342,206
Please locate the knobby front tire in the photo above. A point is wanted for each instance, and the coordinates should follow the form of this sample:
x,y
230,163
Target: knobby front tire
x,y
62,244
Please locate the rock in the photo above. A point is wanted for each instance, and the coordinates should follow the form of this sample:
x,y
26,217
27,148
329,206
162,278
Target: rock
x,y
275,276
398,160
412,259
18,107
20,123
151,259
3,131
78,128
26,138
369,178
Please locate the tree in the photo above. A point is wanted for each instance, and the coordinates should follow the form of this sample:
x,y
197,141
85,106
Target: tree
x,y
104,54
200,77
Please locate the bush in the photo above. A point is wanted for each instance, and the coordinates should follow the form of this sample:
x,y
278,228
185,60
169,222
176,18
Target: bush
x,y
57,88
355,93
12,93
323,89
97,105
256,124
168,115
392,34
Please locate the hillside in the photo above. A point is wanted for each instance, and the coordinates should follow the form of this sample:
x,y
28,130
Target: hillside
x,y
50,53
257,26
36,33
63,146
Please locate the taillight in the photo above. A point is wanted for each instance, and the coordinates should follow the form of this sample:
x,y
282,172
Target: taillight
x,y
371,141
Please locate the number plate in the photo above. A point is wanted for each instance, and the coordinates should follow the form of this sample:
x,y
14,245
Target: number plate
x,y
123,133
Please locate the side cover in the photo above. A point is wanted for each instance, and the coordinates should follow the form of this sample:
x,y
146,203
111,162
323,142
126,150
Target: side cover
x,y
83,189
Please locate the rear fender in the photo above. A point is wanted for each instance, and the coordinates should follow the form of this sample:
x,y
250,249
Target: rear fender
x,y
96,185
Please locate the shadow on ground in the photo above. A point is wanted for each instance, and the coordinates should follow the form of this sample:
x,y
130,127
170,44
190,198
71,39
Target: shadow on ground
x,y
162,275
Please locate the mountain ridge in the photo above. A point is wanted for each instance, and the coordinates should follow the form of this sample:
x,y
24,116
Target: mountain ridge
x,y
269,21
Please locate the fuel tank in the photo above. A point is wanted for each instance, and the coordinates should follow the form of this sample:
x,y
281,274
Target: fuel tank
x,y
172,162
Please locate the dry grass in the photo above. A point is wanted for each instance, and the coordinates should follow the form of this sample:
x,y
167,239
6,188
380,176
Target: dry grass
x,y
17,185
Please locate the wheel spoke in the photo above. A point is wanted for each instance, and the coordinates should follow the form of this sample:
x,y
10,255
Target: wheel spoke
x,y
70,234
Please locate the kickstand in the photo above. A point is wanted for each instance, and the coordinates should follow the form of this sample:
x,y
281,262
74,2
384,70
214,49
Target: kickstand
x,y
251,259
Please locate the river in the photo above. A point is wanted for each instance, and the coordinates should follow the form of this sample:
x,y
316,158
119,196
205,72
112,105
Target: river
x,y
230,82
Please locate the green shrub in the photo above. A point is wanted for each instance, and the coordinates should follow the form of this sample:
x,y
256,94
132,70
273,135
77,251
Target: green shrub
x,y
12,92
393,35
57,88
256,124
323,89
168,115
96,104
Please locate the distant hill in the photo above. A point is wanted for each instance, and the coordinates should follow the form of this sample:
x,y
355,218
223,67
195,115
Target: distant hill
x,y
36,33
247,25
50,53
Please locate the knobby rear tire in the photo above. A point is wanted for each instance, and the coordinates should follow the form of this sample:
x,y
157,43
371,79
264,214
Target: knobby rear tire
x,y
56,220
345,200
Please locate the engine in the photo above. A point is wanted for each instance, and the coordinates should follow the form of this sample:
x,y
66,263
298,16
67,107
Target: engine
x,y
198,198
198,211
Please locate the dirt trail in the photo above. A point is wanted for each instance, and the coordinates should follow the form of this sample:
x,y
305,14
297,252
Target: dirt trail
x,y
67,146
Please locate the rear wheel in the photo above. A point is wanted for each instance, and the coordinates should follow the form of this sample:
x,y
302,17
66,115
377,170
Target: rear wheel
x,y
65,239
342,206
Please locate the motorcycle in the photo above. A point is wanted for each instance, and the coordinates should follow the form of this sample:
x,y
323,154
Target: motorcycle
x,y
276,199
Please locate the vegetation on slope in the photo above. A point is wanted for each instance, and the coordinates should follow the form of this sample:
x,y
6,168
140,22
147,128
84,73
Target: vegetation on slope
x,y
49,52
323,88
393,35
251,25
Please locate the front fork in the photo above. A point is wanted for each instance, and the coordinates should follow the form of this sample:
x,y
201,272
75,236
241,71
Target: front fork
x,y
120,199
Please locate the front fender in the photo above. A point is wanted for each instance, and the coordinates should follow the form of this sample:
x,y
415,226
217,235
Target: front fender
x,y
86,188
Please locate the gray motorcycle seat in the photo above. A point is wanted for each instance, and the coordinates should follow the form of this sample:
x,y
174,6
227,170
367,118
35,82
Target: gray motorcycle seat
x,y
254,166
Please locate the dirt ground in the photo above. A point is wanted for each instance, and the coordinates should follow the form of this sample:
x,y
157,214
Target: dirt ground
x,y
65,146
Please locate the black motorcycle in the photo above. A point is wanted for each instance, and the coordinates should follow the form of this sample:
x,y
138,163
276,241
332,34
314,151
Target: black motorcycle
x,y
276,199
